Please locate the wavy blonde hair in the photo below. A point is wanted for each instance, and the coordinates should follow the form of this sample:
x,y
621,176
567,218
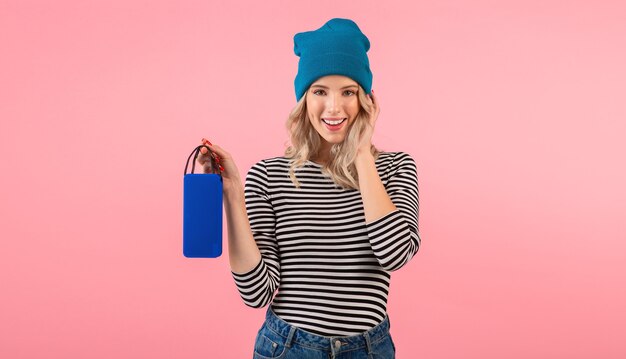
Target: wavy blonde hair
x,y
306,143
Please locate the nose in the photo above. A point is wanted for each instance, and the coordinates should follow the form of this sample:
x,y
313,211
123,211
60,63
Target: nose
x,y
334,103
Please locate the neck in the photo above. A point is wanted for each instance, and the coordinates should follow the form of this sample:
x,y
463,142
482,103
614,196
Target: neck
x,y
323,155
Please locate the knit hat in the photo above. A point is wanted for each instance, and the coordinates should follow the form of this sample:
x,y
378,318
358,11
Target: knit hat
x,y
337,48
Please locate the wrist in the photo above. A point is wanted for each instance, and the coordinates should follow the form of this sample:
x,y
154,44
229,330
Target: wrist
x,y
234,193
364,154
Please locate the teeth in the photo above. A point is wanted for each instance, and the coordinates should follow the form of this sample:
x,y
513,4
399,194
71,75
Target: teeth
x,y
336,122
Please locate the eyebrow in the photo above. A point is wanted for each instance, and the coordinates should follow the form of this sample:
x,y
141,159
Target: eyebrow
x,y
325,87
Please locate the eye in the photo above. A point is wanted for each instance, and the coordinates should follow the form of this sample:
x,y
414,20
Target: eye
x,y
322,92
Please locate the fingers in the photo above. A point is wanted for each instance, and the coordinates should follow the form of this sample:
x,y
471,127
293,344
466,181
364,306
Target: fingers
x,y
203,157
218,150
205,142
216,153
375,102
373,98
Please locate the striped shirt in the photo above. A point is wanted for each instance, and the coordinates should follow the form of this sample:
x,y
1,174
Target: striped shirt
x,y
331,268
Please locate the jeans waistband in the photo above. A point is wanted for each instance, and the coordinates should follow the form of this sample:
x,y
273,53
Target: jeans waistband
x,y
334,344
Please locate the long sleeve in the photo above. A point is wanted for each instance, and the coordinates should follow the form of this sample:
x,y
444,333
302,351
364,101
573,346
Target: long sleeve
x,y
395,237
257,286
323,267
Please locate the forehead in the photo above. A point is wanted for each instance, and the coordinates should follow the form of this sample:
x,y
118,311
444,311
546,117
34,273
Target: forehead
x,y
334,81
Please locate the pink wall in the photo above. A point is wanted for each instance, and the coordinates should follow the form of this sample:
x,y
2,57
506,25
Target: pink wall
x,y
515,114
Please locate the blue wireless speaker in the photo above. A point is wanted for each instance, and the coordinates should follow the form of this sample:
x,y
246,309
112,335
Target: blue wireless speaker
x,y
202,210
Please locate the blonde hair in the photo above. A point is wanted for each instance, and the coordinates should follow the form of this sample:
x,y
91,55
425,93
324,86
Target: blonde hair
x,y
306,143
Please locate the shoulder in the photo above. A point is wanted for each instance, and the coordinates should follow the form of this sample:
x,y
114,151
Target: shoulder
x,y
272,166
271,163
394,161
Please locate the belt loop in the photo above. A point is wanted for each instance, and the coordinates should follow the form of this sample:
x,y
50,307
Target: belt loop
x,y
368,343
290,337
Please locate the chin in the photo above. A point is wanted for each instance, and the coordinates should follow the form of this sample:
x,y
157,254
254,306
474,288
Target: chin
x,y
334,140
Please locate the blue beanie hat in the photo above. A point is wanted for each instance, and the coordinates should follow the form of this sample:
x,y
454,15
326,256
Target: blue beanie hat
x,y
337,48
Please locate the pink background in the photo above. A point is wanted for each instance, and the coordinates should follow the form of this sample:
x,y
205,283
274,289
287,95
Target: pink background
x,y
514,111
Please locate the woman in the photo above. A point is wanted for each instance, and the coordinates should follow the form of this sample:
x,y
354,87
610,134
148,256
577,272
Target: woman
x,y
326,223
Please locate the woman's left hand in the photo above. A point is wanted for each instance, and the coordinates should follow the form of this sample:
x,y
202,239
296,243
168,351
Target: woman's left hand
x,y
366,140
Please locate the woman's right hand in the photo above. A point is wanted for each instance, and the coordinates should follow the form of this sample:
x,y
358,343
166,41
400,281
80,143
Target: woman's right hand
x,y
231,180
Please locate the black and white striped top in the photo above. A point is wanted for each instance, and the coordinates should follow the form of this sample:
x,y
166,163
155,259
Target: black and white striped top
x,y
331,269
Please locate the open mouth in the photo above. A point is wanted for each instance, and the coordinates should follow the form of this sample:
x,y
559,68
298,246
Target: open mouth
x,y
334,122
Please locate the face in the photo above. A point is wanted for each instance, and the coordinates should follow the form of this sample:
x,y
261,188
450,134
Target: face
x,y
332,105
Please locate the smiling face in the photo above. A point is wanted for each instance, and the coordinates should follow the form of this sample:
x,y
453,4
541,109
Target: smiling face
x,y
332,105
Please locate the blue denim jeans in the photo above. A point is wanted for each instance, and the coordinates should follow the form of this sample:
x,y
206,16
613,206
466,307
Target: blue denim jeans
x,y
278,339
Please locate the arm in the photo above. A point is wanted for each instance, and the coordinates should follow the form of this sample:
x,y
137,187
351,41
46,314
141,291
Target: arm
x,y
252,249
258,276
391,214
242,250
376,201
